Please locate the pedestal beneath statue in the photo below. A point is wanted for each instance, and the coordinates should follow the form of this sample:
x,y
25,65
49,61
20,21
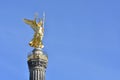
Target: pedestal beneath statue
x,y
37,63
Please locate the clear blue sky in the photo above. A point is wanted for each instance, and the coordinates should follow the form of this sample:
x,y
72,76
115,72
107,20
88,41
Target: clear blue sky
x,y
82,38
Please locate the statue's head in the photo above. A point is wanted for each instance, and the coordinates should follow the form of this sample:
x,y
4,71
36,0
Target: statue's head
x,y
40,23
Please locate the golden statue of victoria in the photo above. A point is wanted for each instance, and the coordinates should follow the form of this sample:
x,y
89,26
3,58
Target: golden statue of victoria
x,y
38,28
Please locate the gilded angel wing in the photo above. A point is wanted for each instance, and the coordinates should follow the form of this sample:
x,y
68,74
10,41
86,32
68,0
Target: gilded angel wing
x,y
30,22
